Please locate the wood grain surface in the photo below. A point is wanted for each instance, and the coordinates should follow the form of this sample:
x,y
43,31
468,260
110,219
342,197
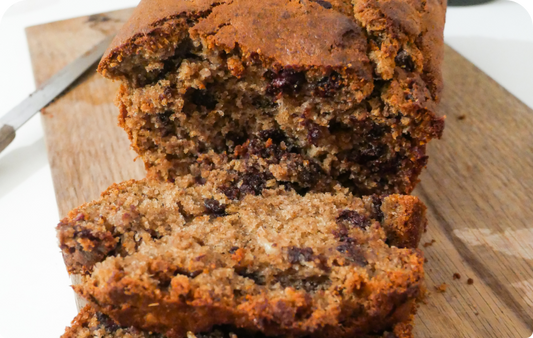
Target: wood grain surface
x,y
477,184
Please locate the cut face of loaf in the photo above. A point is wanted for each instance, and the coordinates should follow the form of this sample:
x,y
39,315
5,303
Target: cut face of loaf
x,y
92,324
355,102
178,257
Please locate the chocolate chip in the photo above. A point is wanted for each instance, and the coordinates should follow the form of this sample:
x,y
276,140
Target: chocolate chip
x,y
328,85
314,133
309,174
404,60
288,80
232,192
199,180
165,123
353,218
203,98
214,208
164,118
107,322
251,183
254,183
353,253
343,234
296,255
233,249
323,3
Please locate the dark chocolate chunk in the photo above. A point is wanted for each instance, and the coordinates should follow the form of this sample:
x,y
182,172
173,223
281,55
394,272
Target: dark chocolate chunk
x,y
353,219
404,60
314,134
199,180
309,174
203,98
107,322
254,183
296,255
232,192
214,208
288,80
353,253
323,3
328,86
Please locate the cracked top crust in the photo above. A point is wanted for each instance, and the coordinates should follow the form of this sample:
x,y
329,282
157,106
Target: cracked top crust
x,y
282,33
290,32
335,33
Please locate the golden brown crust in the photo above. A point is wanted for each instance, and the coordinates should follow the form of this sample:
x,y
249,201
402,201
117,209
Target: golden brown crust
x,y
283,31
293,37
406,24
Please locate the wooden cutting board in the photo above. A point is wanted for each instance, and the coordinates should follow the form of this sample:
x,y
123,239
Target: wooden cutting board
x,y
477,185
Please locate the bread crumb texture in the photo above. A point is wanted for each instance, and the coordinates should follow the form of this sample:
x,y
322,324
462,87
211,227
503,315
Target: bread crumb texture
x,y
183,256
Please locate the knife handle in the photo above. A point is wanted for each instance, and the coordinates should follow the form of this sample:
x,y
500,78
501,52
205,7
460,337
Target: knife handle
x,y
7,135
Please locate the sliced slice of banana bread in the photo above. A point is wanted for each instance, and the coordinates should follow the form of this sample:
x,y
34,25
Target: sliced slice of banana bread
x,y
92,324
178,257
350,87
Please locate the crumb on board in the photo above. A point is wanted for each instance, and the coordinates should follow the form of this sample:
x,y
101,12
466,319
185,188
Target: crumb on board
x,y
425,260
441,288
430,243
461,117
456,276
470,281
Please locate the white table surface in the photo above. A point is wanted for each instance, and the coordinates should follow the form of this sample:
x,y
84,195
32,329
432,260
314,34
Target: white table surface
x,y
35,297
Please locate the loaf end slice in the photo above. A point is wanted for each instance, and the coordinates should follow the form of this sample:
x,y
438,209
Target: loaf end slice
x,y
188,258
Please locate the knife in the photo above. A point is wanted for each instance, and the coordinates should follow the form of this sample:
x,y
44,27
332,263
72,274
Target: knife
x,y
48,91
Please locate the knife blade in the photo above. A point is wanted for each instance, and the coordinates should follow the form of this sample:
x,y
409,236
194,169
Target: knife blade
x,y
48,91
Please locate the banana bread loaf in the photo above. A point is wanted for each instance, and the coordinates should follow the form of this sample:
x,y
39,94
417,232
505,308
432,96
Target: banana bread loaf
x,y
183,256
92,324
349,88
